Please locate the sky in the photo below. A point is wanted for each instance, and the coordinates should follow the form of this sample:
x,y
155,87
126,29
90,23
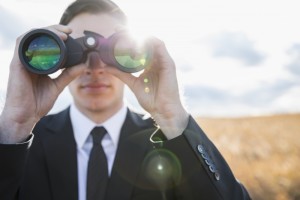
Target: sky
x,y
233,57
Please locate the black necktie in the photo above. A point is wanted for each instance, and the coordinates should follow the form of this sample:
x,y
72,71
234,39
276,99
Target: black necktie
x,y
97,176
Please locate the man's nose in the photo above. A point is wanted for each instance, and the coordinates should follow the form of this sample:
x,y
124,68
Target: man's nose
x,y
94,63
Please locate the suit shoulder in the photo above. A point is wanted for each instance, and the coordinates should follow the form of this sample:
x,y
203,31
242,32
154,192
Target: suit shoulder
x,y
51,121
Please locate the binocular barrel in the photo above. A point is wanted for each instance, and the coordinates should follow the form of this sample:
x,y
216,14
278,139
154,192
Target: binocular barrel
x,y
43,52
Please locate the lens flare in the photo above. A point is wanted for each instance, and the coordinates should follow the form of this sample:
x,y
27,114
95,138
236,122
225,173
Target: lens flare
x,y
147,89
131,54
146,80
162,167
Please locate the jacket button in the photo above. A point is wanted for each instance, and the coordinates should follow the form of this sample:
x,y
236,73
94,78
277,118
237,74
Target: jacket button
x,y
217,176
212,168
208,162
201,148
205,156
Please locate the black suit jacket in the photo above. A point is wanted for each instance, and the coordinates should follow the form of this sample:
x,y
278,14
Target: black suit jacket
x,y
187,167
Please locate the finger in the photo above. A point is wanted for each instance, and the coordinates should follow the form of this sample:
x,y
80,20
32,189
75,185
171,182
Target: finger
x,y
63,28
60,30
161,53
68,75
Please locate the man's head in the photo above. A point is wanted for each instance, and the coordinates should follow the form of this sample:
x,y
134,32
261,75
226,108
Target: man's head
x,y
93,7
96,93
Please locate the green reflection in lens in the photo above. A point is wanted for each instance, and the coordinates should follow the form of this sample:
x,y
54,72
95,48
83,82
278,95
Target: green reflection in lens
x,y
43,53
130,54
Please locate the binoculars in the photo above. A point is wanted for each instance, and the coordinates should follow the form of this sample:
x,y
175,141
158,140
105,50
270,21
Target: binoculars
x,y
43,52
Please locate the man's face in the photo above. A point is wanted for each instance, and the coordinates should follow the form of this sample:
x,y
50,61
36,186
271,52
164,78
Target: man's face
x,y
96,91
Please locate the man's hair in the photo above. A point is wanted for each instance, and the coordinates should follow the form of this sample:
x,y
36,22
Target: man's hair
x,y
94,7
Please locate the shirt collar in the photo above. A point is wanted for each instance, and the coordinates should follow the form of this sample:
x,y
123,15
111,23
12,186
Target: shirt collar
x,y
82,130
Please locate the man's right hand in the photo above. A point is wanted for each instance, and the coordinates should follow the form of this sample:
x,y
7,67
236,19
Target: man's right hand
x,y
31,96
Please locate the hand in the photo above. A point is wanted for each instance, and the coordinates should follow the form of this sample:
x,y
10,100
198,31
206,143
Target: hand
x,y
157,91
31,96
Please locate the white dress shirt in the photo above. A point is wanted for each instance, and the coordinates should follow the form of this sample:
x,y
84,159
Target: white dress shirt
x,y
82,127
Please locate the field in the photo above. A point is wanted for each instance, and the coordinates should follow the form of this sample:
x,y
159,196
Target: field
x,y
263,152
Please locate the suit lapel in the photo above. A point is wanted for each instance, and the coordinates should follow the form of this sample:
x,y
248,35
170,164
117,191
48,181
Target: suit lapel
x,y
130,154
61,157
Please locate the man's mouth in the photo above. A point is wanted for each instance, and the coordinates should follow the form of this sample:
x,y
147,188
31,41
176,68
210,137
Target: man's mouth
x,y
95,87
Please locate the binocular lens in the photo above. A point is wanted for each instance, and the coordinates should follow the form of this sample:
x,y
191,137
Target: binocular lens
x,y
130,54
43,53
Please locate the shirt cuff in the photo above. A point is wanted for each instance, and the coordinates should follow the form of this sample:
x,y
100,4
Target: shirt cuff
x,y
27,141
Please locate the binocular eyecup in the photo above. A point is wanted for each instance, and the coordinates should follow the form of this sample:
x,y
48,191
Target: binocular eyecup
x,y
43,52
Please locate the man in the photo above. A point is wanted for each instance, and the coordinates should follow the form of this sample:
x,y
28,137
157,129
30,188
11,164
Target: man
x,y
49,157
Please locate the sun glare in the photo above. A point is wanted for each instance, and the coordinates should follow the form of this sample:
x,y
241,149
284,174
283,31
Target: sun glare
x,y
151,19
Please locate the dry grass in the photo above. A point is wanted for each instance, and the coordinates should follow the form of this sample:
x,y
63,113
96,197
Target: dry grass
x,y
263,152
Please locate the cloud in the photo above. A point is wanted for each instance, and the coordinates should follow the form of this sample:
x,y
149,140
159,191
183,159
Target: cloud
x,y
267,93
11,27
183,65
207,100
236,45
294,65
206,93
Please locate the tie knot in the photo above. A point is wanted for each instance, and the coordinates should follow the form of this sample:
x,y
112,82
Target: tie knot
x,y
98,133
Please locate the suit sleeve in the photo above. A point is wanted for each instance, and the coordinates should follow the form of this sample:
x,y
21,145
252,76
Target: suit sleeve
x,y
199,170
13,161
